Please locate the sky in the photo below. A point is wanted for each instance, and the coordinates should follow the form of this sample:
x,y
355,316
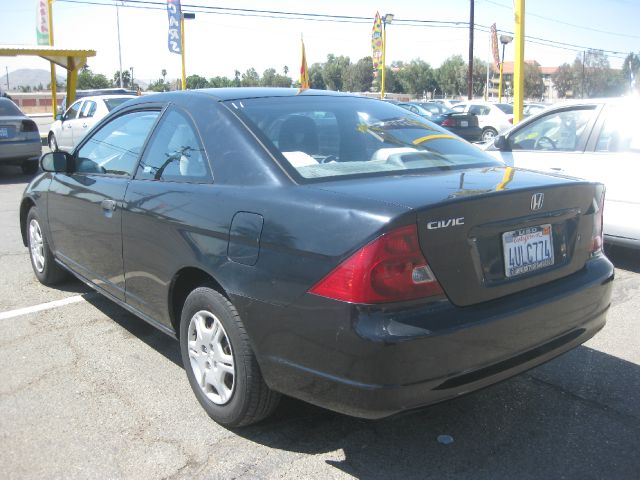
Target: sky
x,y
218,44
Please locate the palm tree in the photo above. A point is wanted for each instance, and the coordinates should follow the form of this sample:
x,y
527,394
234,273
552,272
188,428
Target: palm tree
x,y
164,74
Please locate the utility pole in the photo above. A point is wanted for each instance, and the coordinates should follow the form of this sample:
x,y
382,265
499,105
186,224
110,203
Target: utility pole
x,y
119,49
7,70
470,73
518,70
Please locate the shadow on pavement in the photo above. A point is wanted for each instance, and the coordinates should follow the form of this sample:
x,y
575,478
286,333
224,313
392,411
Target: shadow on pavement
x,y
576,417
624,258
10,175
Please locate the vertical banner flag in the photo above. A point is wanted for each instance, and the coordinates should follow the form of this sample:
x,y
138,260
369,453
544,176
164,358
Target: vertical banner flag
x,y
42,22
494,45
175,33
376,44
304,70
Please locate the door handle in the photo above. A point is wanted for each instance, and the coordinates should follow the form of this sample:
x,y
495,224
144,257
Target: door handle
x,y
84,125
557,169
108,205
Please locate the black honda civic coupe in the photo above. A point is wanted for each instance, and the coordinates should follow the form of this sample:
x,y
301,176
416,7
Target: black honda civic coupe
x,y
334,248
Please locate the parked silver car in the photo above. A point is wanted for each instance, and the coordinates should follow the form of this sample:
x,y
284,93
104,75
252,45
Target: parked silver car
x,y
19,138
595,139
71,127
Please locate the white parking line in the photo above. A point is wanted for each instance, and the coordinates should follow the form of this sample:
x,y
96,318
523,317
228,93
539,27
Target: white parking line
x,y
43,306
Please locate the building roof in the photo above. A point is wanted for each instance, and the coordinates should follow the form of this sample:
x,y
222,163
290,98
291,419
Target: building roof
x,y
508,68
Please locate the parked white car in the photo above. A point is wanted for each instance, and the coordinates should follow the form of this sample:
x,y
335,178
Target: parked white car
x,y
71,127
592,139
493,118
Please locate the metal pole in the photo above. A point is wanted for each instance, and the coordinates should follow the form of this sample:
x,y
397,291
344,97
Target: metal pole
x,y
6,69
518,70
486,88
119,49
384,56
501,68
54,97
470,73
131,69
184,75
584,59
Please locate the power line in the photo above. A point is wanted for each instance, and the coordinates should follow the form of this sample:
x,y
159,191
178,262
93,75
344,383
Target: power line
x,y
318,17
561,22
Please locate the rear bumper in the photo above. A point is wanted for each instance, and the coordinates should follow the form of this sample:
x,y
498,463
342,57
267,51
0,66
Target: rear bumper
x,y
471,134
372,363
15,152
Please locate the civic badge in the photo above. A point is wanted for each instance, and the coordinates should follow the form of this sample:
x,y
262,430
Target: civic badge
x,y
537,199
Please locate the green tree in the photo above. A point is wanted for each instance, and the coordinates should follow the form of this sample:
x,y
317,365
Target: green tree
x,y
479,77
221,82
564,80
164,75
359,76
416,77
236,78
533,82
316,79
270,78
250,78
597,79
631,71
158,86
452,76
88,80
196,81
334,71
126,78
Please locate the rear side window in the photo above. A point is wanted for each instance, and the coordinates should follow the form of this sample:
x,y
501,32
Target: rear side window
x,y
8,108
116,147
505,107
328,137
88,109
112,103
175,153
73,111
619,132
478,109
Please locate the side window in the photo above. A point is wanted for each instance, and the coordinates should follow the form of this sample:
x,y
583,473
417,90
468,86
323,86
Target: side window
x,y
459,108
88,109
115,148
479,110
73,111
619,132
175,153
559,131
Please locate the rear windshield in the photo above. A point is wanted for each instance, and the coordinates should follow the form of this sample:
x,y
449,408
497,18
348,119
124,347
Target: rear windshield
x,y
115,102
8,108
327,137
505,107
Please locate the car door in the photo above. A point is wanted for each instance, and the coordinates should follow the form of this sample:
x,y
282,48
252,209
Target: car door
x,y
554,142
85,206
70,117
85,121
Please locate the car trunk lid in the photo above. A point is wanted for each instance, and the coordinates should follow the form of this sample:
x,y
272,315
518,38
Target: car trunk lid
x,y
468,222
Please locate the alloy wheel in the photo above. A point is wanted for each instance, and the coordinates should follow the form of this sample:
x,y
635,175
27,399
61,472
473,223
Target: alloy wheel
x,y
36,245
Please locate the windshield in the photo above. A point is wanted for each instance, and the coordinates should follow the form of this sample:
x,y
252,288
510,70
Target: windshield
x,y
505,107
323,136
115,102
9,109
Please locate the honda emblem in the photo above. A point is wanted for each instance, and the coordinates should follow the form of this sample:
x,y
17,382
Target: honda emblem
x,y
537,199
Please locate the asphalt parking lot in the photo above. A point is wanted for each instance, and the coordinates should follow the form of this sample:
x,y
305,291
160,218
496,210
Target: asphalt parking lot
x,y
89,391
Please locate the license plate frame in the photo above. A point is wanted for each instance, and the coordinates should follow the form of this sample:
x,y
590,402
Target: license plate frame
x,y
527,250
4,132
464,123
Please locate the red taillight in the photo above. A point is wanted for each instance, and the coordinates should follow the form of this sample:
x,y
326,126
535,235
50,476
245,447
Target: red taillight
x,y
596,237
389,269
449,122
511,120
28,126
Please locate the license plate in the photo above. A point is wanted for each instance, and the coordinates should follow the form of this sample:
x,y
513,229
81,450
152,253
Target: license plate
x,y
527,250
4,132
464,123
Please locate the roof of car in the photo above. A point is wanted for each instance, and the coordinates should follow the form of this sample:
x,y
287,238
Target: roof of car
x,y
107,97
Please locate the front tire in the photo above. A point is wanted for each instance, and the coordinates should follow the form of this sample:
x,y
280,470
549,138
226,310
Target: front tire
x,y
45,268
489,134
53,143
220,364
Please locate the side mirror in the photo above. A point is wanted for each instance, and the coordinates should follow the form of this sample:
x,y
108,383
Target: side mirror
x,y
58,116
56,162
501,143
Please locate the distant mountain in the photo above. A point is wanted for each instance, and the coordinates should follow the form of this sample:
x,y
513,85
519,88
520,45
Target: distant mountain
x,y
29,77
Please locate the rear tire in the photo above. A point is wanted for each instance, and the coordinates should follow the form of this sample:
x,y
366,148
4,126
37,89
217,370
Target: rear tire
x,y
53,143
220,364
45,268
489,134
29,167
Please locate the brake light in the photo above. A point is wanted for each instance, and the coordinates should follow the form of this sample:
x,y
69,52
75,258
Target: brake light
x,y
28,126
598,218
449,122
511,120
389,269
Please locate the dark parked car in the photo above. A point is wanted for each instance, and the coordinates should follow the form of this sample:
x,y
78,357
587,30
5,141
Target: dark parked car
x,y
464,125
19,138
330,247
